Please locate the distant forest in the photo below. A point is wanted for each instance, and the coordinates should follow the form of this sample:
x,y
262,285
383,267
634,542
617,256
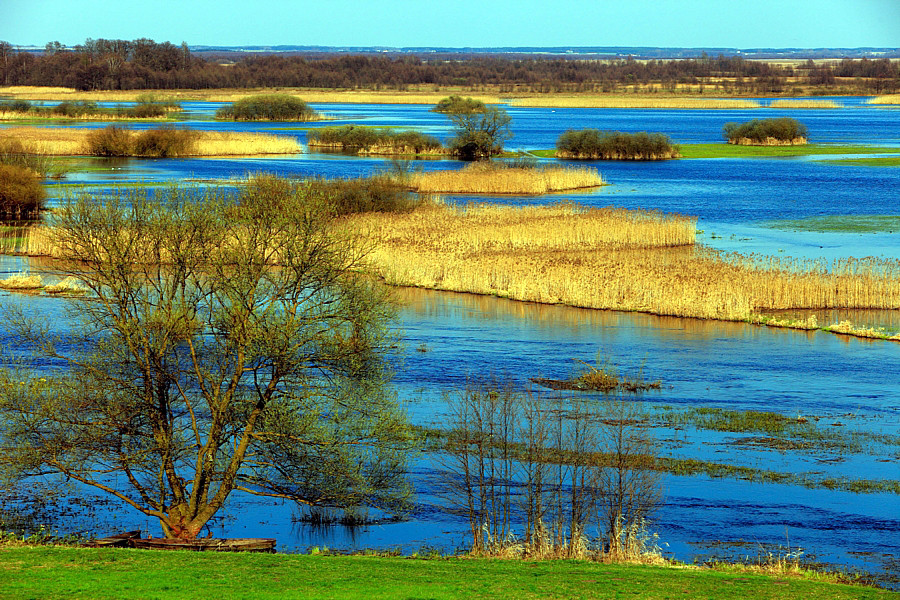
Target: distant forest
x,y
144,64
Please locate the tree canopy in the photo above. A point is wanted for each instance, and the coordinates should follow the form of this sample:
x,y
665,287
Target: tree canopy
x,y
227,345
480,135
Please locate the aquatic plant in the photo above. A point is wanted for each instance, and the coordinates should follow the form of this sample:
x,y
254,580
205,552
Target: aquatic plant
x,y
268,107
499,178
607,145
374,140
780,131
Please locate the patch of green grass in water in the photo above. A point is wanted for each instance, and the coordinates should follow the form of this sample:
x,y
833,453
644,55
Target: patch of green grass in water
x,y
841,224
60,572
724,150
877,161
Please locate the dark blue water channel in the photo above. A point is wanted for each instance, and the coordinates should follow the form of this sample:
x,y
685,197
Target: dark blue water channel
x,y
847,385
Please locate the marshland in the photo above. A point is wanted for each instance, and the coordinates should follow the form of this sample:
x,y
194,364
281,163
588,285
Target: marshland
x,y
666,273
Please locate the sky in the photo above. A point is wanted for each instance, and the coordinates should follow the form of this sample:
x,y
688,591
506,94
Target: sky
x,y
460,23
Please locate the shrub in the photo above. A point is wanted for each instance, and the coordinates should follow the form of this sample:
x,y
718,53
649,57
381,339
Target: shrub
x,y
270,107
146,111
380,193
21,193
374,139
165,142
459,105
13,152
75,109
480,135
17,106
605,145
782,130
112,140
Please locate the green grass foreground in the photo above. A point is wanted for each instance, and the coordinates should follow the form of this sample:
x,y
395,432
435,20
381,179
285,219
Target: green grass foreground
x,y
58,572
724,150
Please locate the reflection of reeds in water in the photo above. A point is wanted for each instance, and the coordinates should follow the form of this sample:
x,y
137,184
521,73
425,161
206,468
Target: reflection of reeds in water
x,y
632,102
480,178
611,259
59,141
805,104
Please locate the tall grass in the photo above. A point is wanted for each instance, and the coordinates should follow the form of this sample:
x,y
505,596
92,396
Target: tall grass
x,y
374,140
60,141
885,99
497,178
805,104
611,259
553,101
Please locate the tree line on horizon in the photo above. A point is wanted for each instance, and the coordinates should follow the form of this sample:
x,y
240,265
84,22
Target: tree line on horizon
x,y
144,64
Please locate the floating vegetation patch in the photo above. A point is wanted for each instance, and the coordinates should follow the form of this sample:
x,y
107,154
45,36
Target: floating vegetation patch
x,y
875,161
841,223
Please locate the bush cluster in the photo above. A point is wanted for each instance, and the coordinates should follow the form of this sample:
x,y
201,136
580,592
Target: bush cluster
x,y
17,106
13,152
759,131
159,142
459,105
21,193
380,193
362,139
270,107
615,145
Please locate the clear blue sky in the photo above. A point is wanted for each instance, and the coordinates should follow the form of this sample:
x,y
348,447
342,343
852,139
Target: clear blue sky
x,y
477,23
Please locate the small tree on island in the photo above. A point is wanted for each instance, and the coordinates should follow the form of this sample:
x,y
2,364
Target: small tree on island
x,y
480,135
227,347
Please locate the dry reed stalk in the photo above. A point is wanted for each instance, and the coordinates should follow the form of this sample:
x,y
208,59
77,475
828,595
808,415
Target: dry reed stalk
x,y
480,179
608,259
213,143
69,286
805,104
632,102
61,141
22,281
885,99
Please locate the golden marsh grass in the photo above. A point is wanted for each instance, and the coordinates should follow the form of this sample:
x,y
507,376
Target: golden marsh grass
x,y
805,104
33,116
555,101
885,99
487,178
22,281
610,259
58,141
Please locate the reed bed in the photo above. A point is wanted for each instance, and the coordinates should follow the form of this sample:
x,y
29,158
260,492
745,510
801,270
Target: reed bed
x,y
805,104
59,141
885,99
22,282
553,101
489,178
611,259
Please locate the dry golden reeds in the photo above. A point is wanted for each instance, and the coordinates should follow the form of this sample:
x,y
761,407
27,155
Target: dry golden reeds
x,y
610,259
22,281
487,178
60,141
885,99
554,101
69,286
805,104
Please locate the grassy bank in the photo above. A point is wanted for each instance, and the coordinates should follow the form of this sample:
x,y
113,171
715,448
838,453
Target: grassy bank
x,y
496,178
72,142
112,573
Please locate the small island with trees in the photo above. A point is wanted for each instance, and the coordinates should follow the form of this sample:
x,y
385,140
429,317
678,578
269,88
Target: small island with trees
x,y
783,131
615,145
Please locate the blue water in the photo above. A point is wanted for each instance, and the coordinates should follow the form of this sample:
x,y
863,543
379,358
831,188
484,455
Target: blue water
x,y
701,363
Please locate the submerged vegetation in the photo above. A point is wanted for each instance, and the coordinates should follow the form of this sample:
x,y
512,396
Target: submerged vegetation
x,y
374,140
268,107
608,145
766,132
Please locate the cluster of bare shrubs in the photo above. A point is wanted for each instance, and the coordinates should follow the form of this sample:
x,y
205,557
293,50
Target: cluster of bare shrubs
x,y
374,140
615,145
779,131
552,476
21,193
159,142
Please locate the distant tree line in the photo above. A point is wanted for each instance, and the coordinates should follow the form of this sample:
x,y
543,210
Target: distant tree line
x,y
144,64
